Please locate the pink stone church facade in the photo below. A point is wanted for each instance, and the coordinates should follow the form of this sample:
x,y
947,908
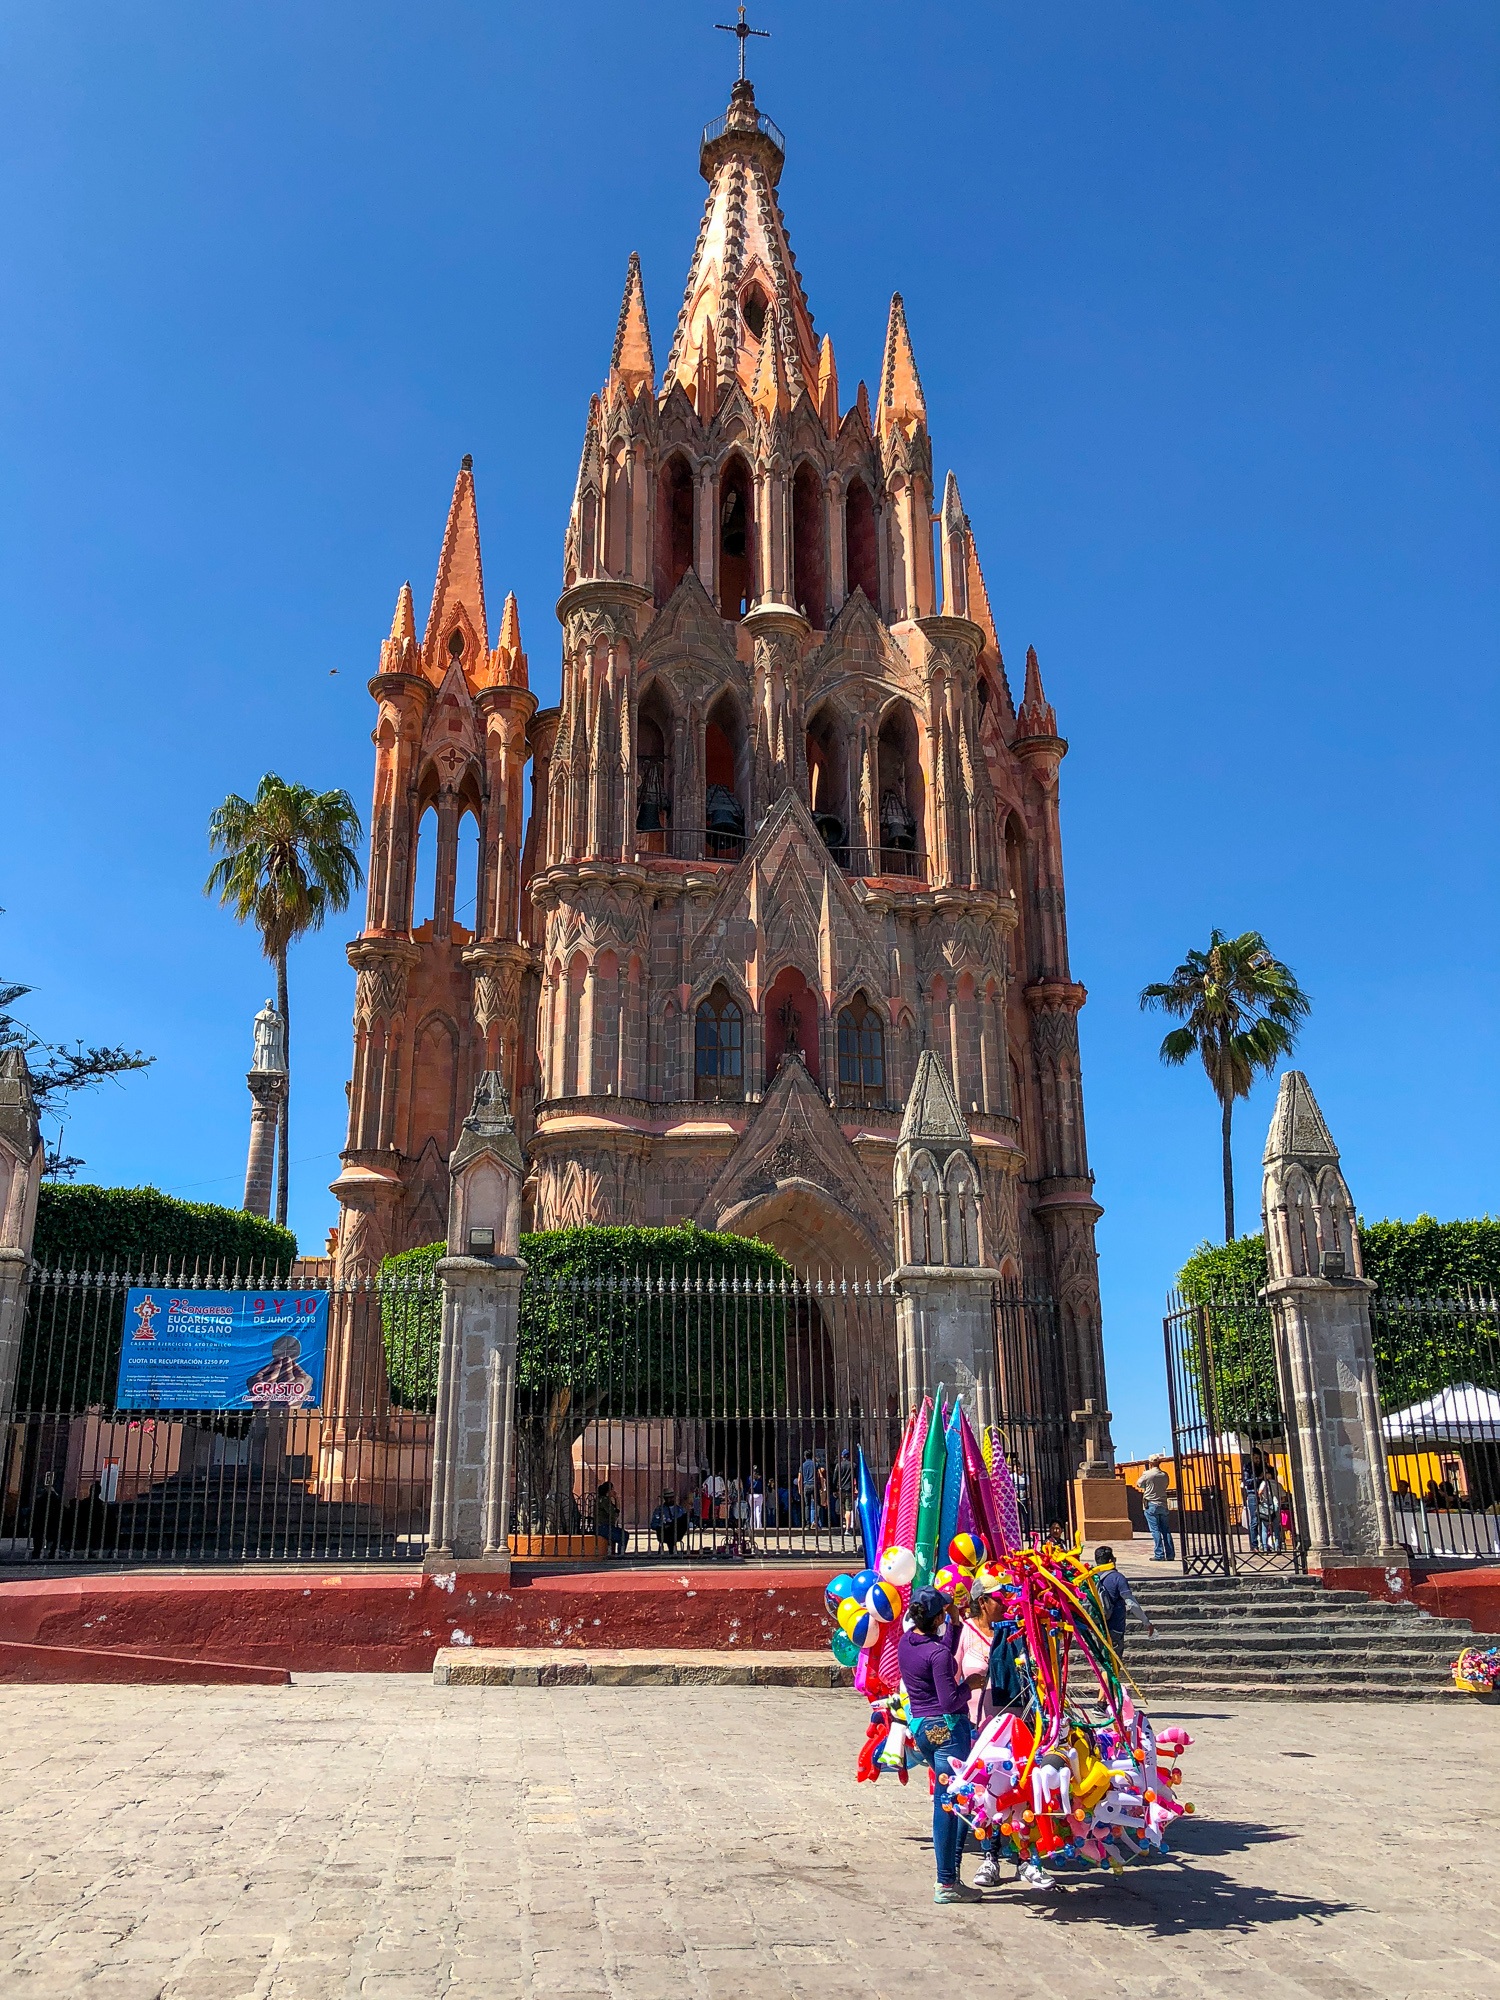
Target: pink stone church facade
x,y
788,825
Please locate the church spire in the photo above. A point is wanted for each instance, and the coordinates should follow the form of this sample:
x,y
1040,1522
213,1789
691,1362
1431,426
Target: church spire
x,y
1038,717
901,399
458,595
630,365
398,654
828,387
769,393
743,275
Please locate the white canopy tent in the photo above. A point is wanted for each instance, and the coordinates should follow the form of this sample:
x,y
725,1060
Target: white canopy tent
x,y
1462,1414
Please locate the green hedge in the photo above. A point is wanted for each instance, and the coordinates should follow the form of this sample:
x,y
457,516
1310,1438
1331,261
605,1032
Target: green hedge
x,y
90,1227
1420,1346
594,1333
70,1346
1421,1259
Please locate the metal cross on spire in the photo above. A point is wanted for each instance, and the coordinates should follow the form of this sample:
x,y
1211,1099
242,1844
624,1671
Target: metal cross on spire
x,y
742,33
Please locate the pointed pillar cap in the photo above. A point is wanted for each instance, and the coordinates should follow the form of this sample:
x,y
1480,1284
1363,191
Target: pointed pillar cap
x,y
631,366
1298,1129
1038,717
901,400
932,1117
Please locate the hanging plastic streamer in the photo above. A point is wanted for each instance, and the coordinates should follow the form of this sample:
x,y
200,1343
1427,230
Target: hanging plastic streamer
x,y
953,1480
1002,1487
987,1518
878,1672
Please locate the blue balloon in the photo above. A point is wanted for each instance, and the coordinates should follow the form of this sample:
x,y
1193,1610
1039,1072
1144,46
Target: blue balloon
x,y
862,1582
836,1590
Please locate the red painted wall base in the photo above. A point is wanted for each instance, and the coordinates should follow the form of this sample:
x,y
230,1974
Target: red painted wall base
x,y
365,1622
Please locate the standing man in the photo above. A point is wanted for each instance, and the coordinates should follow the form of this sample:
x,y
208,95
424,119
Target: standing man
x,y
807,1487
1153,1487
1119,1600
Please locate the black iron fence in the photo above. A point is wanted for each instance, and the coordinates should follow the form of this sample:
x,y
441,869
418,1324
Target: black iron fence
x,y
1032,1420
700,1413
1232,1475
664,1415
1437,1363
1437,1371
331,1460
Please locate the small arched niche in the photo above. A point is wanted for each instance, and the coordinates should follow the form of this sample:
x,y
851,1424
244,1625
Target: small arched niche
x,y
791,1022
754,305
809,560
654,775
725,780
674,525
828,780
736,539
903,800
859,540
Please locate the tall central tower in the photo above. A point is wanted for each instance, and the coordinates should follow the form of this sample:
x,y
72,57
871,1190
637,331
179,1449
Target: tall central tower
x,y
789,828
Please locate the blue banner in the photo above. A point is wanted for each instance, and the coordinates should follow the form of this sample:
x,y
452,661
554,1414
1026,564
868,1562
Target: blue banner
x,y
189,1350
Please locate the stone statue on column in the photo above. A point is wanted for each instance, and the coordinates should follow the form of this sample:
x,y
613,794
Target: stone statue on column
x,y
21,1160
474,1423
267,1080
1325,1361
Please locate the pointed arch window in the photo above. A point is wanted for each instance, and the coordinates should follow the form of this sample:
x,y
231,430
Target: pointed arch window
x,y
719,1048
861,1054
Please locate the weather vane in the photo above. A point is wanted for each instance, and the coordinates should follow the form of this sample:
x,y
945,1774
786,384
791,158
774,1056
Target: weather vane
x,y
742,34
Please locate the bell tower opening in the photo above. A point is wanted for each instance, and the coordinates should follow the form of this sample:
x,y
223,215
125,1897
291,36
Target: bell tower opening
x,y
859,540
736,540
674,525
809,567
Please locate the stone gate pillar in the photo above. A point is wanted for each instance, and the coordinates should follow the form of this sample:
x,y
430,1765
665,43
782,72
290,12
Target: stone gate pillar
x,y
474,1425
945,1304
1325,1363
21,1160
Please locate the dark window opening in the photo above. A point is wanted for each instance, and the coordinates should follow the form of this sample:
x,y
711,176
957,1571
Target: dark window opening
x,y
861,1054
809,570
723,810
859,541
827,780
674,526
719,1048
736,540
753,306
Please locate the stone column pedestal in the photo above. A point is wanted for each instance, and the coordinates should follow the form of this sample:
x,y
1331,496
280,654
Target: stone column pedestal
x,y
15,1276
474,1427
1101,1508
267,1094
945,1333
1326,1367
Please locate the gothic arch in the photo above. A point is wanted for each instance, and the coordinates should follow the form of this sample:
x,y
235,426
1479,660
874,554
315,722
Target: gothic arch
x,y
738,552
434,1084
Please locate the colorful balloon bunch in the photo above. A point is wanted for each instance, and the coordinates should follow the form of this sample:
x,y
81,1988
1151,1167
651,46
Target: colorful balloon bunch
x,y
1050,1782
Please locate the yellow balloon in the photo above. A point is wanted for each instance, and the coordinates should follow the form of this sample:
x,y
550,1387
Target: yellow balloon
x,y
848,1611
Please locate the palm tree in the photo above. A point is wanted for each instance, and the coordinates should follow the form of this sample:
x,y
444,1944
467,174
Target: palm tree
x,y
288,860
1241,1008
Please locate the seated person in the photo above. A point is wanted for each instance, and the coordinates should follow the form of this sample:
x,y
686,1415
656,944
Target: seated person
x,y
669,1520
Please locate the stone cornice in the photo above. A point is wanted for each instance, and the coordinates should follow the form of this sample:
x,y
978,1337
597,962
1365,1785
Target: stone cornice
x,y
1045,996
601,593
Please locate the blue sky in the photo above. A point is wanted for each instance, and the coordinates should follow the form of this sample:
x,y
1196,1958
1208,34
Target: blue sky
x,y
1205,302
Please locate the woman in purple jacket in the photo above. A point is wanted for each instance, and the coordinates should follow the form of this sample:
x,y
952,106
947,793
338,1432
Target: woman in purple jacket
x,y
939,1725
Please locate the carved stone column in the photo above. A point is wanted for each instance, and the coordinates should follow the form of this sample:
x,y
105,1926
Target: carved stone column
x,y
267,1095
1325,1362
474,1425
21,1160
945,1308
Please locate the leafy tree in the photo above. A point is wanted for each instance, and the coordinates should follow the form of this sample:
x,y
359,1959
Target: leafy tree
x,y
1241,1010
288,860
616,1324
1433,1324
58,1071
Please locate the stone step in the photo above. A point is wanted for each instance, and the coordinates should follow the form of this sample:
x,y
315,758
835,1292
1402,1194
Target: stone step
x,y
496,1666
1240,1691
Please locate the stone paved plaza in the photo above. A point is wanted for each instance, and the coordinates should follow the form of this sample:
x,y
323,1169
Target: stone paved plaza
x,y
376,1836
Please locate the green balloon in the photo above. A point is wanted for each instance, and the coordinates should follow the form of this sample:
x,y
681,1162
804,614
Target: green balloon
x,y
844,1649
